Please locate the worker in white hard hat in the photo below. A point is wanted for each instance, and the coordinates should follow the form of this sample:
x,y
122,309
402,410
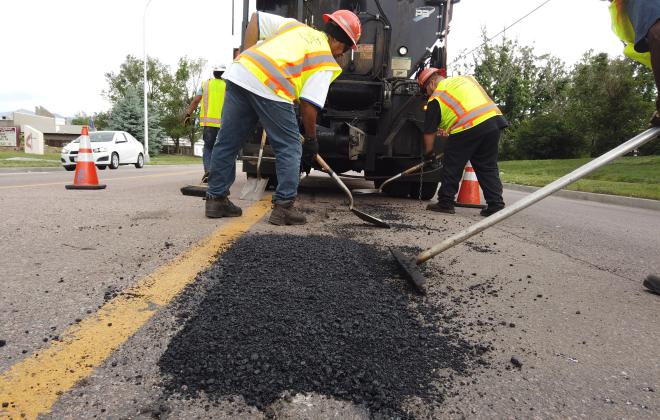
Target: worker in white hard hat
x,y
212,96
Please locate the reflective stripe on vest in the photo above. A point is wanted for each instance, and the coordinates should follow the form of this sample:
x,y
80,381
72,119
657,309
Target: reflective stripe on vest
x,y
463,104
622,27
213,98
286,60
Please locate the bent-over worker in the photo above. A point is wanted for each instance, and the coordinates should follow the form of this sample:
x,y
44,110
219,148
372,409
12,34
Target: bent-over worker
x,y
212,96
460,107
293,63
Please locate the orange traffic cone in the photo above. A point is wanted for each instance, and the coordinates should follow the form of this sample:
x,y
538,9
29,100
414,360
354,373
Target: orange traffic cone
x,y
469,193
85,177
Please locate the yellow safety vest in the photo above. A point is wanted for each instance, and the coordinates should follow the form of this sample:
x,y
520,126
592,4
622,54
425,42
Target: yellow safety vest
x,y
463,104
213,98
286,60
622,27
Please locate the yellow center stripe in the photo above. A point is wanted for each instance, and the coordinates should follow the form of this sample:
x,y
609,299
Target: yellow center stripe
x,y
33,385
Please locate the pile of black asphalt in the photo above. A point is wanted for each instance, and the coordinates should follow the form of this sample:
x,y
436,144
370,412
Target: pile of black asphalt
x,y
281,314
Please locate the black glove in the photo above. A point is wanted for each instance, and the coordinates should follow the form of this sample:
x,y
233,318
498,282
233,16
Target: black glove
x,y
310,150
431,162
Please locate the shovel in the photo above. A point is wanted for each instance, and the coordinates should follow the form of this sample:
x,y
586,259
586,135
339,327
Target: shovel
x,y
410,264
254,187
369,191
362,215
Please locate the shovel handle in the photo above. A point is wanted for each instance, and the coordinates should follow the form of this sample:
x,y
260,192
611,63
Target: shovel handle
x,y
334,176
539,195
408,171
261,153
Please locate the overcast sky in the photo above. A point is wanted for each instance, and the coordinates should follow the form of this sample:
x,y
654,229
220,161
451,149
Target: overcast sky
x,y
55,53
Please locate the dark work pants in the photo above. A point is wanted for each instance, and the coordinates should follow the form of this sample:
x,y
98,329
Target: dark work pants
x,y
209,135
481,151
653,39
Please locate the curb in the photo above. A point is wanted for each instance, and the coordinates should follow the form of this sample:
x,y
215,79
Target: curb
x,y
640,203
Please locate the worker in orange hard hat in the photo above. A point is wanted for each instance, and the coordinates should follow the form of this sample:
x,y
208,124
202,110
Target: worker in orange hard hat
x,y
637,24
293,63
459,108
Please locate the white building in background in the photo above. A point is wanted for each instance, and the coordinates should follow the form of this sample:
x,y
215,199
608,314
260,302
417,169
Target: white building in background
x,y
56,131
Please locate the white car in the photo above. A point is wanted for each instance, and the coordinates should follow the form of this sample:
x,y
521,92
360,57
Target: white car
x,y
109,148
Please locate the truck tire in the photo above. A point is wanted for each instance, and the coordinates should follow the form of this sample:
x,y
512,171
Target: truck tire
x,y
427,191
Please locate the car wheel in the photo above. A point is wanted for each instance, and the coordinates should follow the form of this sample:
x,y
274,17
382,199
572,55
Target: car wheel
x,y
114,161
140,161
70,168
102,167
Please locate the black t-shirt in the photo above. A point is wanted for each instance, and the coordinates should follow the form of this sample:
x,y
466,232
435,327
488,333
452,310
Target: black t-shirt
x,y
433,117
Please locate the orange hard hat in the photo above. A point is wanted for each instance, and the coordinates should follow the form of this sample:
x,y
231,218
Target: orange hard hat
x,y
426,74
348,22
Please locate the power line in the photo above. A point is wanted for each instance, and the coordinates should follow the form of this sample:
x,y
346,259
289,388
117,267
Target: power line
x,y
502,31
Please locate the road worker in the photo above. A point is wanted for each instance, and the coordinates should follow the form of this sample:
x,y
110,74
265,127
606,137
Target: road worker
x,y
212,96
460,108
294,63
637,24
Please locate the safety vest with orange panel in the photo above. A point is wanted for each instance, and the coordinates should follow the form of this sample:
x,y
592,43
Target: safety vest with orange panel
x,y
286,60
463,104
623,28
213,98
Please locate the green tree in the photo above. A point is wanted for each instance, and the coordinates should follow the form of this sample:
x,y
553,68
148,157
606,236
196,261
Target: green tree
x,y
609,100
130,76
128,115
178,90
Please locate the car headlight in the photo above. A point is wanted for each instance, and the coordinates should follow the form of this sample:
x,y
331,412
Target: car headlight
x,y
100,150
65,151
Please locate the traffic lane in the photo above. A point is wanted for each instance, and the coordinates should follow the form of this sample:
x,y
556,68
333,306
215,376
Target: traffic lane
x,y
59,176
622,240
587,340
65,253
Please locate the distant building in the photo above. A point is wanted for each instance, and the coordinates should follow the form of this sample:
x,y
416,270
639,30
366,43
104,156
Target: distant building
x,y
54,127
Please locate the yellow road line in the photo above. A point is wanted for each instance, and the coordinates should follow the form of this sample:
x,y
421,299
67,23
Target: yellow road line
x,y
33,385
6,187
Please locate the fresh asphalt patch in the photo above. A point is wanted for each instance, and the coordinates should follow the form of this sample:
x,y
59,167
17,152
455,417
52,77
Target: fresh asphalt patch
x,y
280,315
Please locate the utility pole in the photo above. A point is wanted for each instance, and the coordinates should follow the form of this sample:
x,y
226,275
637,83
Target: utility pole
x,y
144,59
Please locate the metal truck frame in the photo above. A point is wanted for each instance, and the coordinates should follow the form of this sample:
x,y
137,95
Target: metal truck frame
x,y
373,117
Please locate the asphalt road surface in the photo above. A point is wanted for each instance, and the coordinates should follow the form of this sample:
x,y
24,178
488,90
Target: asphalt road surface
x,y
100,291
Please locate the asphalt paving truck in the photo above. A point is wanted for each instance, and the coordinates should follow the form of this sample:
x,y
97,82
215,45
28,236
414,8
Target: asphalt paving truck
x,y
373,117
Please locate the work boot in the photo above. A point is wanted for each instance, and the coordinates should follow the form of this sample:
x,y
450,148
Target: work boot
x,y
652,283
441,208
205,178
490,210
221,207
285,214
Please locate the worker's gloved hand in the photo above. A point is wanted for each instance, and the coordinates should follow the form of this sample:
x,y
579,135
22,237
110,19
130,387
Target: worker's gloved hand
x,y
310,150
655,119
431,162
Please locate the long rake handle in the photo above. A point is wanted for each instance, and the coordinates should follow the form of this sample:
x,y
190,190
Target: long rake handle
x,y
407,172
538,195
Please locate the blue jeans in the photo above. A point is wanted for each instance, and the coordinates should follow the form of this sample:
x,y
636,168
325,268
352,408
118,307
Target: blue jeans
x,y
240,113
209,135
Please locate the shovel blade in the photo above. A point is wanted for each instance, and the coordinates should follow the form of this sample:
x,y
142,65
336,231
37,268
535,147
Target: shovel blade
x,y
370,219
194,190
253,189
409,267
366,191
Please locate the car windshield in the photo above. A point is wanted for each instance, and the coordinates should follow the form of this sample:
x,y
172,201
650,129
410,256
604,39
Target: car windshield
x,y
98,137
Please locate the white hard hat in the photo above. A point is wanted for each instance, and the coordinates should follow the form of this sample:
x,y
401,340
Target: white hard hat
x,y
220,67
